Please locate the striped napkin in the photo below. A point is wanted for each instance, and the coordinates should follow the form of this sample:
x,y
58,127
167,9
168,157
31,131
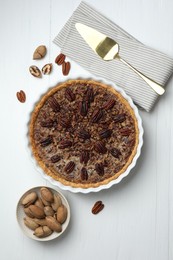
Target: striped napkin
x,y
150,62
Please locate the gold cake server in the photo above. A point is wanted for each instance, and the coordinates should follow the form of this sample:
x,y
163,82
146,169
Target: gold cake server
x,y
108,49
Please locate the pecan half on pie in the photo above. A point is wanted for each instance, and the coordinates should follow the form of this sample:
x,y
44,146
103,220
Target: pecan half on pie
x,y
83,133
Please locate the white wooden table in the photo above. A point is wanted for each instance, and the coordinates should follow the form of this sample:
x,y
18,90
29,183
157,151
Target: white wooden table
x,y
137,222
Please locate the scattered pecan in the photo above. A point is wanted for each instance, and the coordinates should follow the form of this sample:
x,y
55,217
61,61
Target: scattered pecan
x,y
115,152
99,167
100,147
69,167
70,96
60,59
97,115
34,70
108,104
84,157
105,133
55,158
21,96
83,108
125,131
98,206
47,69
54,104
119,118
49,123
82,133
84,174
48,140
65,144
66,68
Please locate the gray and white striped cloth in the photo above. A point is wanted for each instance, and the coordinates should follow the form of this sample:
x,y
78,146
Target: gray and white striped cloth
x,y
150,62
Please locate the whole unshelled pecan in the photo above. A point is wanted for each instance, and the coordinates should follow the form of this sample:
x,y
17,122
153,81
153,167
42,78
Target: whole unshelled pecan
x,y
98,206
70,96
55,158
82,133
83,108
48,140
105,133
99,167
69,167
84,174
100,147
54,104
60,59
97,115
108,104
21,96
84,157
65,144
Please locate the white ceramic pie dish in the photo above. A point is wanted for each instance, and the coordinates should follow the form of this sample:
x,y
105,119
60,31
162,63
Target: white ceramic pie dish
x,y
115,181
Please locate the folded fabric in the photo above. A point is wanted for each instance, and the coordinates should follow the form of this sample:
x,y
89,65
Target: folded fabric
x,y
152,63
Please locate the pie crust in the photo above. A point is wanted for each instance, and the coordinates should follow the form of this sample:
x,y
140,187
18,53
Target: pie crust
x,y
83,133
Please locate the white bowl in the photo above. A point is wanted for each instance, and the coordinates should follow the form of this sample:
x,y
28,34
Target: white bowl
x,y
115,181
20,214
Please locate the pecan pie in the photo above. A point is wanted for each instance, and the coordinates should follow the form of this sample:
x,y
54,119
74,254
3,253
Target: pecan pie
x,y
83,133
